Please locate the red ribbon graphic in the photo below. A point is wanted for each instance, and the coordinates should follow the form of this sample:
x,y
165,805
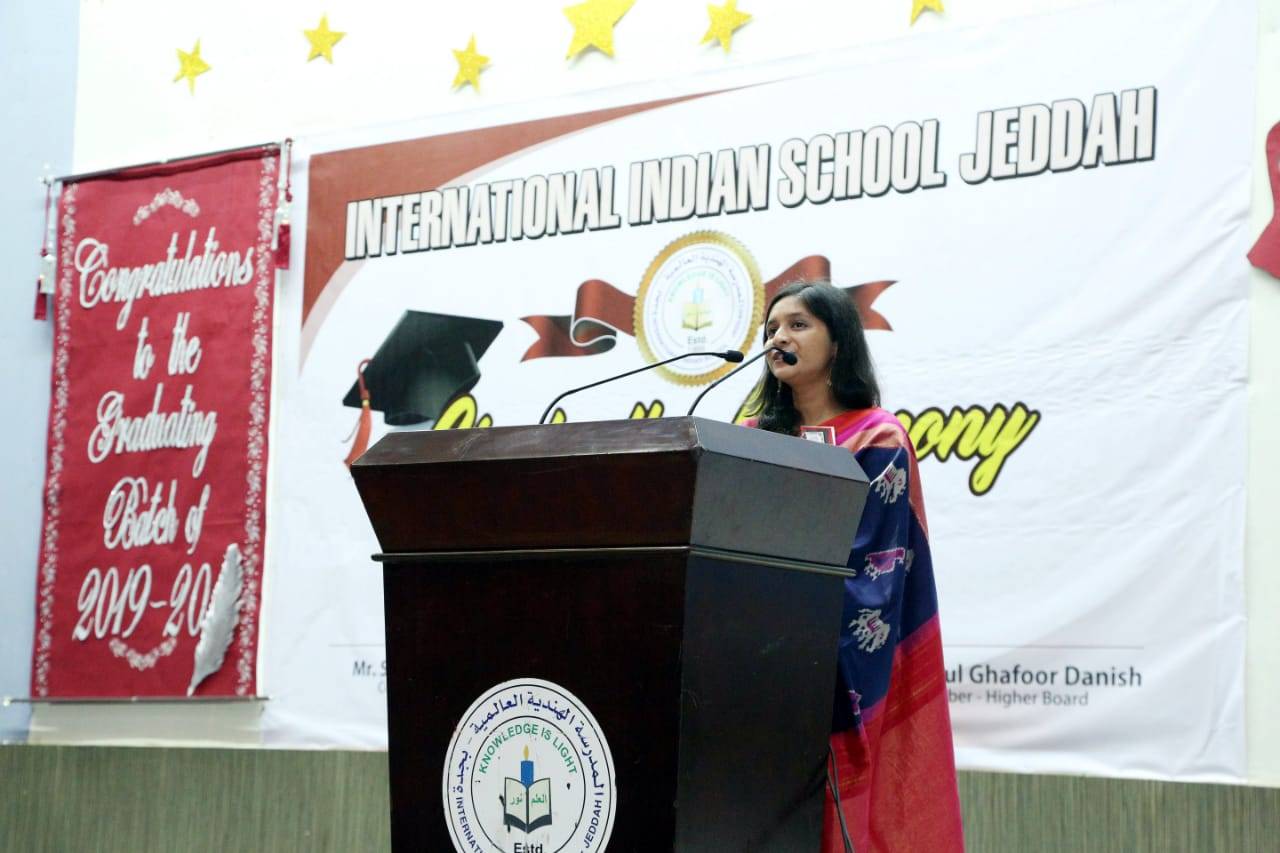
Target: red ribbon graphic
x,y
817,267
1265,254
601,312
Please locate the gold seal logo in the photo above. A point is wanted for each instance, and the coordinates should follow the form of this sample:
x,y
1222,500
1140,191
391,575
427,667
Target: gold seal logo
x,y
702,292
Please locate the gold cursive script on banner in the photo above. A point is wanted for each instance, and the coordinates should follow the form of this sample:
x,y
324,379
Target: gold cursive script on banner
x,y
989,435
463,413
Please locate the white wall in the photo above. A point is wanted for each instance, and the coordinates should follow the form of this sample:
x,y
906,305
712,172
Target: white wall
x,y
1262,532
396,64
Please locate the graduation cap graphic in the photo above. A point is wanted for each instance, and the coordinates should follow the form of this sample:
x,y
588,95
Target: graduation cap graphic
x,y
425,362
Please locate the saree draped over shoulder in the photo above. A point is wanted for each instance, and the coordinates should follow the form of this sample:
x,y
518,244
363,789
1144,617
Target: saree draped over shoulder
x,y
891,730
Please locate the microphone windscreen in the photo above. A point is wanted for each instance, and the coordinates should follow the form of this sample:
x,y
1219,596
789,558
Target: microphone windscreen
x,y
732,355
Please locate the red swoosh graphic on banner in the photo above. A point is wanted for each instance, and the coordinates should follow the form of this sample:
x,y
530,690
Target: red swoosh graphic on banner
x,y
1265,254
601,311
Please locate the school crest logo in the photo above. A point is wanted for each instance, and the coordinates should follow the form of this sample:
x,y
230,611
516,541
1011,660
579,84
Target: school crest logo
x,y
526,804
529,771
701,293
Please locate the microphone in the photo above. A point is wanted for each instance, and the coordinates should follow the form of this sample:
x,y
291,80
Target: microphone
x,y
788,357
731,355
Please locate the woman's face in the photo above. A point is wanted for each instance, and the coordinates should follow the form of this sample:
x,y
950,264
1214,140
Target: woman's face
x,y
793,328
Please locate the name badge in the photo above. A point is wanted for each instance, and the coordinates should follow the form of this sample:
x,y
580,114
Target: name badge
x,y
820,434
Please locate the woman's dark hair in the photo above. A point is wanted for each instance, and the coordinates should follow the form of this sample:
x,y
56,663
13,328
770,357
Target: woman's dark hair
x,y
853,377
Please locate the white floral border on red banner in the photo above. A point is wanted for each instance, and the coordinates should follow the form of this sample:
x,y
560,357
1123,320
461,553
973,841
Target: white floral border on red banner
x,y
173,198
57,444
255,498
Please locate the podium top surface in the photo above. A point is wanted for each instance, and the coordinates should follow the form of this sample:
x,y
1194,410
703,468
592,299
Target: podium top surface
x,y
595,438
632,483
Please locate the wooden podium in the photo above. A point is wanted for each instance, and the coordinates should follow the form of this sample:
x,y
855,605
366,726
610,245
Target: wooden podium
x,y
682,578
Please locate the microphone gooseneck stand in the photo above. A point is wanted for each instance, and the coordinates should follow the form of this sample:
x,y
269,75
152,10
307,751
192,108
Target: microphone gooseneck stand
x,y
731,355
788,357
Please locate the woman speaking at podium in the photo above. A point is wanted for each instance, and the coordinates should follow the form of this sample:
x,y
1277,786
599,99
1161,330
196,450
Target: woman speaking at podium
x,y
892,760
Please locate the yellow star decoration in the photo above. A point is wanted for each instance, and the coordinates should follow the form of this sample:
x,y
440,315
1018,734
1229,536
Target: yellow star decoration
x,y
918,6
593,23
191,66
470,64
724,20
322,40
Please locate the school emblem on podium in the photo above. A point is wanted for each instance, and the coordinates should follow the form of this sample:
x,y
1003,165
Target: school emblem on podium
x,y
702,293
529,771
526,805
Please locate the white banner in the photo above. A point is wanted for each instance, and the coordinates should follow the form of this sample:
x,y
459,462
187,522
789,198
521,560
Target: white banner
x,y
1043,223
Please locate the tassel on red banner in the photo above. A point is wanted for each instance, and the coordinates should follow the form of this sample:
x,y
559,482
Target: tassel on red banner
x,y
42,304
361,444
283,231
282,246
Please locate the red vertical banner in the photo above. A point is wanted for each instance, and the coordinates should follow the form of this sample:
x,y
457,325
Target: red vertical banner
x,y
151,557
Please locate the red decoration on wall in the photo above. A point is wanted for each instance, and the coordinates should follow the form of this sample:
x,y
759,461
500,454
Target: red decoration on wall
x,y
157,443
1265,254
